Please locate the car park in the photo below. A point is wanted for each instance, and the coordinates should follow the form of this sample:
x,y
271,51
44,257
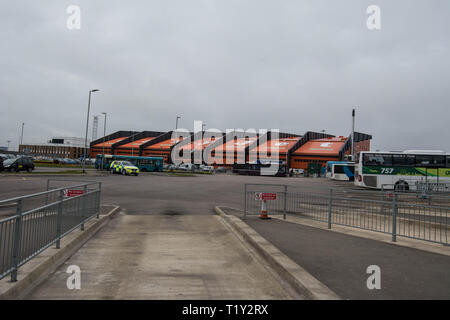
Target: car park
x,y
123,167
22,163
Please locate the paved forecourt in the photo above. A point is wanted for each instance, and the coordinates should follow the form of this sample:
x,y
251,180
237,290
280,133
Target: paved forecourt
x,y
165,257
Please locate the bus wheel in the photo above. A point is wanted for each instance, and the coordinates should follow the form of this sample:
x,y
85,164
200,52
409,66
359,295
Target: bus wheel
x,y
401,186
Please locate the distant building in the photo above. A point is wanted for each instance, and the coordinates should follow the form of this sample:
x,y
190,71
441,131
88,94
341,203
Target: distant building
x,y
57,147
296,151
3,148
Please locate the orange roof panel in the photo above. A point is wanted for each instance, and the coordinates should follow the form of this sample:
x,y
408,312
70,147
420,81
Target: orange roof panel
x,y
110,142
327,146
237,144
283,145
199,144
137,143
166,144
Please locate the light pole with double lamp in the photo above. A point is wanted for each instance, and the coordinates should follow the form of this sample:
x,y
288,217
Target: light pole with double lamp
x,y
104,136
87,125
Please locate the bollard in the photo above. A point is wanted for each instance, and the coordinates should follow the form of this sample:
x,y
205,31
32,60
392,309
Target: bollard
x,y
285,196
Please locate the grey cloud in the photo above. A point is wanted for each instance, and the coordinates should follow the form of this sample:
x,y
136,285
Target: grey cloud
x,y
292,65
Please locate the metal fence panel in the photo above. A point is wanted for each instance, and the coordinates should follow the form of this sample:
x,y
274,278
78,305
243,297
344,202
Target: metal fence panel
x,y
406,214
41,220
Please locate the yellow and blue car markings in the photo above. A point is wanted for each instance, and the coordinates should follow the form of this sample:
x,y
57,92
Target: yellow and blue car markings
x,y
119,167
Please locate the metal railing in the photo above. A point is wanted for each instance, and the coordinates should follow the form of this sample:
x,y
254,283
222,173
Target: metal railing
x,y
41,220
391,213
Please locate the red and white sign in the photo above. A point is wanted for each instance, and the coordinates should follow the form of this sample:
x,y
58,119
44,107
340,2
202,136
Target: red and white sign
x,y
265,196
269,196
73,192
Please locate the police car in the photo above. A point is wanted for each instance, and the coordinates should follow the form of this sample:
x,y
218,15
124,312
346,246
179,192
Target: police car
x,y
123,167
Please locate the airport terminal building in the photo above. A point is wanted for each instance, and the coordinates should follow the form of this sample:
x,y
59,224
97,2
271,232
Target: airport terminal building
x,y
296,151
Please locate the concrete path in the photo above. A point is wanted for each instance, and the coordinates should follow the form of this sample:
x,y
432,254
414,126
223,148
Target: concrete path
x,y
165,257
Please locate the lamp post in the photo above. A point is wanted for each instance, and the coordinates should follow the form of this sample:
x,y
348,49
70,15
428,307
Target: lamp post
x,y
8,143
104,135
87,125
176,123
353,135
132,145
21,136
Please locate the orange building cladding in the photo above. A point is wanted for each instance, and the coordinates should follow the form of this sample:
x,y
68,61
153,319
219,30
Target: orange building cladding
x,y
317,151
105,147
264,151
231,152
198,144
160,149
132,148
194,150
227,150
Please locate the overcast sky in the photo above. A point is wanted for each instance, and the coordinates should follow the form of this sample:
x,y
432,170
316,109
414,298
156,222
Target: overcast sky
x,y
291,65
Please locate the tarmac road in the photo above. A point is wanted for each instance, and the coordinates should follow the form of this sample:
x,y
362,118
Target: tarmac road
x,y
159,193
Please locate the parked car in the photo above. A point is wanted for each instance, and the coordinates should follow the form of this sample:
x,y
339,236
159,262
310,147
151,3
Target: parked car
x,y
19,164
7,156
1,163
221,170
204,168
186,167
123,167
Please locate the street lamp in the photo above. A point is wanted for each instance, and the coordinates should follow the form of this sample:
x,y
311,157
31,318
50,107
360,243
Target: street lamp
x,y
203,125
176,123
21,136
87,125
8,144
104,135
132,145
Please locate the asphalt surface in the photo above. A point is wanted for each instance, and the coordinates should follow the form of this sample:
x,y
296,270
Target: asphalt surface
x,y
340,261
160,193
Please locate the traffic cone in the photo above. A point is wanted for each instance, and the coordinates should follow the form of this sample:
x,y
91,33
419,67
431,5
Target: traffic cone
x,y
263,214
